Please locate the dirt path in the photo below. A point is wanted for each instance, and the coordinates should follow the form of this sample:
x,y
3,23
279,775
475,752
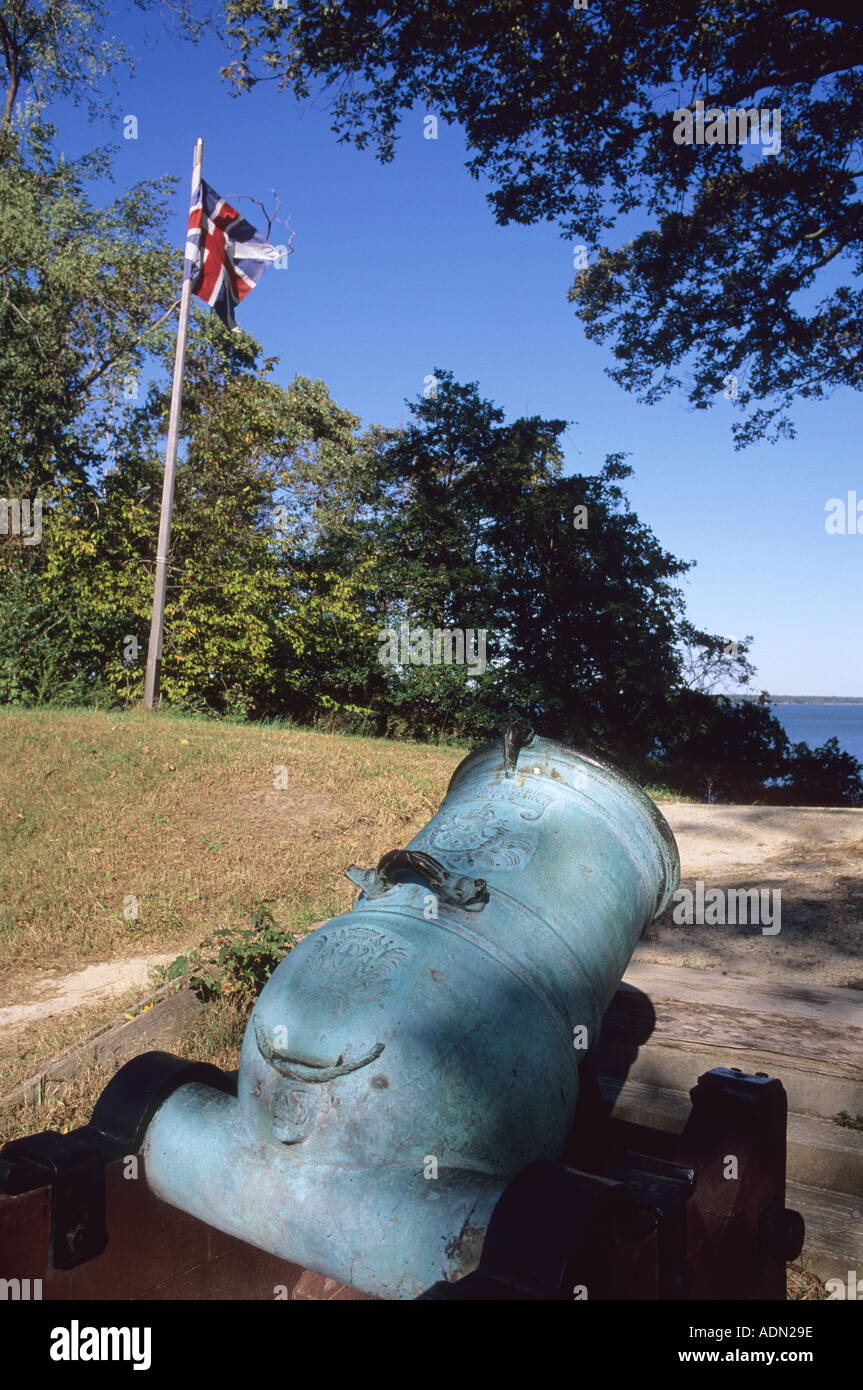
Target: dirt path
x,y
812,856
49,995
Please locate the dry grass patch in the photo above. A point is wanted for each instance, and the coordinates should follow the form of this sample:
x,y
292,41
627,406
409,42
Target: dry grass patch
x,y
66,1106
127,833
216,1036
802,1284
186,823
30,1048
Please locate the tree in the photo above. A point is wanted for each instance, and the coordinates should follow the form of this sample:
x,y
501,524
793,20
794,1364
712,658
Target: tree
x,y
58,48
712,664
721,749
577,598
87,299
265,615
265,611
86,295
85,290
570,113
825,776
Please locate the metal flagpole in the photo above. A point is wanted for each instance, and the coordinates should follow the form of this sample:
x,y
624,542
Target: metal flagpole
x,y
154,648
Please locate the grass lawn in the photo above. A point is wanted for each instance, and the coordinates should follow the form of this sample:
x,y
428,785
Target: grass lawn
x,y
122,834
128,834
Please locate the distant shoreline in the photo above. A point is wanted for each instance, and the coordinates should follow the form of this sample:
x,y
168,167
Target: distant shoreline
x,y
806,699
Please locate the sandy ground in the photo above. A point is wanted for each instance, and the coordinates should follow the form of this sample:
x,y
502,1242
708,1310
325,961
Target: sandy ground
x,y
49,995
814,857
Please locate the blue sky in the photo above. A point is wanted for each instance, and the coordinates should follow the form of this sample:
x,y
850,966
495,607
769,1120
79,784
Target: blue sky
x,y
401,268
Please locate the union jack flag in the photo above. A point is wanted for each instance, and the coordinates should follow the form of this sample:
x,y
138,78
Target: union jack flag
x,y
225,256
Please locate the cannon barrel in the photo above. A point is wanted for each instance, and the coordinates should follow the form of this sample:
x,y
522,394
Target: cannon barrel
x,y
412,1055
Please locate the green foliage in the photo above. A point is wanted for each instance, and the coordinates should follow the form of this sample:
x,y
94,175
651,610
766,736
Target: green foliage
x,y
717,748
236,964
60,49
568,113
39,664
825,776
846,1121
86,293
259,618
257,624
581,622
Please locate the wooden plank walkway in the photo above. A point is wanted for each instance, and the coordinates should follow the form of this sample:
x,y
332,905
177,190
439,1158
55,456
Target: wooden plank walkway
x,y
682,1021
668,1024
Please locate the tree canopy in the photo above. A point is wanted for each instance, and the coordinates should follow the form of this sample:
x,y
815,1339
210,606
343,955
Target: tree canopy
x,y
568,110
61,48
86,295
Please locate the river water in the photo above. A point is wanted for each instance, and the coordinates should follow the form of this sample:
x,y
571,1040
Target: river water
x,y
814,724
